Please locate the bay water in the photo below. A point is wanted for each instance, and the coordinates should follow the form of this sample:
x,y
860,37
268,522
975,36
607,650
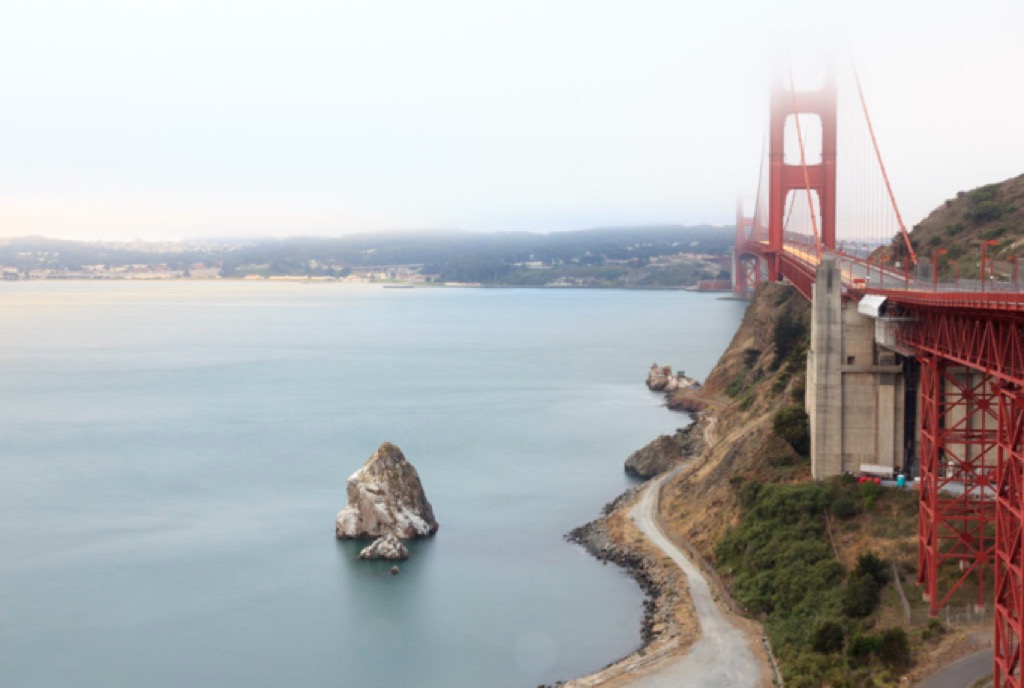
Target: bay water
x,y
173,455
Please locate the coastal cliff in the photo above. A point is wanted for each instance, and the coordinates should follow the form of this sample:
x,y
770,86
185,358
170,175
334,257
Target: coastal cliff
x,y
820,566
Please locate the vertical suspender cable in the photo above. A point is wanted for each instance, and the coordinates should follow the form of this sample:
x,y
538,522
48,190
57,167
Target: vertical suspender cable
x,y
885,176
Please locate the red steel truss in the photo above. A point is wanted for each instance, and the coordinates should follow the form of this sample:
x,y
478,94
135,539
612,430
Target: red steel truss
x,y
991,344
986,341
1009,605
746,263
748,273
958,464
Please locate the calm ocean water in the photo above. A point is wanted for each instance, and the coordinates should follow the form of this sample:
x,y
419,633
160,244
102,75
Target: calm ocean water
x,y
172,456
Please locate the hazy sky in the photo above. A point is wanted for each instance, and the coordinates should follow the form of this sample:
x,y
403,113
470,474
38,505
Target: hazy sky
x,y
185,118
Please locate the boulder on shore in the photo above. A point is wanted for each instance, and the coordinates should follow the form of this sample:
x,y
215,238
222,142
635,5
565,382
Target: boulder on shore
x,y
387,547
657,457
385,496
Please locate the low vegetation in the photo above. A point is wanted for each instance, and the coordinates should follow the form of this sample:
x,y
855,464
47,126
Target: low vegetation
x,y
820,615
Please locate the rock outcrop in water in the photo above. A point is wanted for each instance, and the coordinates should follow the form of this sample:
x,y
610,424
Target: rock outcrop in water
x,y
654,458
661,379
385,496
387,547
666,452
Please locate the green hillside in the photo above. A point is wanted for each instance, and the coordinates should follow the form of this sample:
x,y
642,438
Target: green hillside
x,y
994,212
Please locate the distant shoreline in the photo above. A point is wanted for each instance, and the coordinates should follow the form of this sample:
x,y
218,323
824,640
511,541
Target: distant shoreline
x,y
328,280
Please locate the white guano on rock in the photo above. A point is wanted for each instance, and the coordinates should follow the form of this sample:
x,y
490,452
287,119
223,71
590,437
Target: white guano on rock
x,y
387,547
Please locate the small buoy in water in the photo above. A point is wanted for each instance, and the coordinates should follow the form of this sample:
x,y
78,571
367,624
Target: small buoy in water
x,y
394,571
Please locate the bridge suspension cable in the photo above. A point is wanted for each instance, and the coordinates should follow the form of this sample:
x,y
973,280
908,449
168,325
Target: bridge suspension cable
x,y
759,228
885,175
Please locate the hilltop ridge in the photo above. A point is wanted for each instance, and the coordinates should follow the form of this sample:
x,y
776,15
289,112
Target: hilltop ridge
x,y
993,212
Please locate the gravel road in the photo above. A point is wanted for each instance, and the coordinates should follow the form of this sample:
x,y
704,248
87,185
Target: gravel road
x,y
722,658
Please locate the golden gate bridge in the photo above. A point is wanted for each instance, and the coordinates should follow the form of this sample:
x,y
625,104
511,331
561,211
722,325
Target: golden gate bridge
x,y
962,340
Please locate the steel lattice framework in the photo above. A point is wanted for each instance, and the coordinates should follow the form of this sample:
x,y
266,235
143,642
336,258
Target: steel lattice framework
x,y
1009,604
748,273
988,343
958,464
970,347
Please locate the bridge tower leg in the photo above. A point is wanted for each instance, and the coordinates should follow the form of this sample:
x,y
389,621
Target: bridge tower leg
x,y
1009,593
746,268
959,459
783,177
747,272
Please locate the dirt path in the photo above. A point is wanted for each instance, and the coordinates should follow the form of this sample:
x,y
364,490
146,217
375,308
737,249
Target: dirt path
x,y
722,657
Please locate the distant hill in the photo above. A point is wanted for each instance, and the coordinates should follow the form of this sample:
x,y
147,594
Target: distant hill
x,y
672,255
994,212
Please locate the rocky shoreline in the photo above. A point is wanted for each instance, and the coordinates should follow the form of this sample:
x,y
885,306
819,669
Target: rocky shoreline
x,y
596,539
669,620
669,623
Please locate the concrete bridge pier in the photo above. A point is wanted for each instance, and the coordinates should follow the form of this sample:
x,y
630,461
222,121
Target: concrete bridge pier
x,y
856,387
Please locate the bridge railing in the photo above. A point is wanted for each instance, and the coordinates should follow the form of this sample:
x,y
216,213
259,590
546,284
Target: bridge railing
x,y
860,273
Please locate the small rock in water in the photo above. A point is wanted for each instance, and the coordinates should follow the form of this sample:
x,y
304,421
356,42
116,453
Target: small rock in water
x,y
387,547
394,571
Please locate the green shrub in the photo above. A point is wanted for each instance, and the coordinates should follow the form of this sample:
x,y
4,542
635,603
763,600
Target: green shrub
x,y
748,493
860,596
827,637
869,492
790,504
734,388
793,425
994,233
790,336
986,211
895,648
862,647
870,564
844,507
984,194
